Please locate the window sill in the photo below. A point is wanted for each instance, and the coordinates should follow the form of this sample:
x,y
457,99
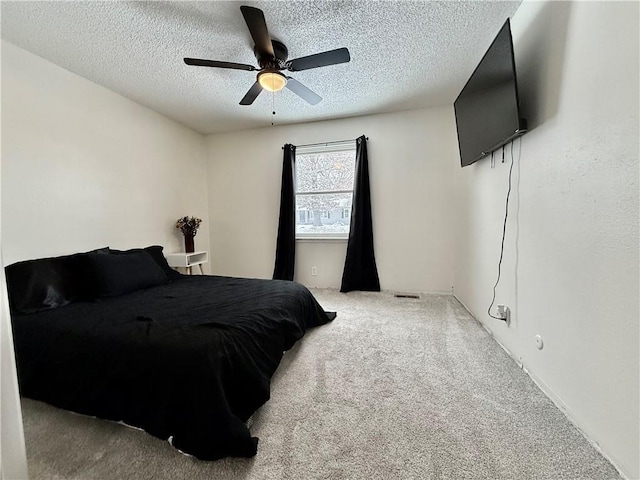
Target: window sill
x,y
322,239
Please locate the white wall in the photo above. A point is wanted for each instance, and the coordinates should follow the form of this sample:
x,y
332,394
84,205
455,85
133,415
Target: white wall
x,y
83,167
570,272
411,162
13,455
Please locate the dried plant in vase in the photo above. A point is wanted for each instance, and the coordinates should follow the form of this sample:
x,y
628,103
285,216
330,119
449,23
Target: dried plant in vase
x,y
188,226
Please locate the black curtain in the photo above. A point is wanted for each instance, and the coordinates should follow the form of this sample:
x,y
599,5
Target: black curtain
x,y
360,272
286,243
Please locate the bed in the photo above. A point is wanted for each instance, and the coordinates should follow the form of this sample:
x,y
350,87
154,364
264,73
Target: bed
x,y
187,358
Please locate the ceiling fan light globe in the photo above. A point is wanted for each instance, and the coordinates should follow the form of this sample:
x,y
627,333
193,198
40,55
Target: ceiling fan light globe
x,y
272,81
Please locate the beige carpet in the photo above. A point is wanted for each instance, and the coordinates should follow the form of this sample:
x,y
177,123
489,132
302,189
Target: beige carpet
x,y
392,389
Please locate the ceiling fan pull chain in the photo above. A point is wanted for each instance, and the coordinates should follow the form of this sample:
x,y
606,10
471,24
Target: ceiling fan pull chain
x,y
273,110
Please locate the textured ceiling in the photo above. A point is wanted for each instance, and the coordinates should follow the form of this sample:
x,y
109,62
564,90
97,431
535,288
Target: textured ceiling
x,y
404,55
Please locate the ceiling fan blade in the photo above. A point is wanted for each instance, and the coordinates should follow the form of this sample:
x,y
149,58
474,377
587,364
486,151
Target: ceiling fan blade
x,y
258,29
214,63
303,92
332,57
251,95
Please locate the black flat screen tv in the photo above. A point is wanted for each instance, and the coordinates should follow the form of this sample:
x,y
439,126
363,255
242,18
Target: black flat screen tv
x,y
487,109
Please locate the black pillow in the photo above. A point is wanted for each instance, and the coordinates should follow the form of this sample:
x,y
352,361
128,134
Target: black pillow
x,y
44,283
126,272
156,253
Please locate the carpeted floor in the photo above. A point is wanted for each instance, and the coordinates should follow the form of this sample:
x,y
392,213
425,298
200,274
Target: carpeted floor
x,y
392,389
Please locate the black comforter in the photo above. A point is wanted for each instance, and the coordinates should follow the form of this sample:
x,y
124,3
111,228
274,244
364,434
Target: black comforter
x,y
189,361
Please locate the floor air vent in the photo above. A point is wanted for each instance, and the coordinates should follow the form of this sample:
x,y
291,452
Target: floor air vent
x,y
407,295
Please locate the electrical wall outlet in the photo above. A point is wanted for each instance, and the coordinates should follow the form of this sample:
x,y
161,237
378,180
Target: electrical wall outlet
x,y
502,312
314,271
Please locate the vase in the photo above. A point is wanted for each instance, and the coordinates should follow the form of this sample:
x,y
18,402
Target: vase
x,y
188,243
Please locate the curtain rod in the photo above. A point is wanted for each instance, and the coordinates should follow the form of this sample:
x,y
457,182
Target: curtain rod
x,y
327,143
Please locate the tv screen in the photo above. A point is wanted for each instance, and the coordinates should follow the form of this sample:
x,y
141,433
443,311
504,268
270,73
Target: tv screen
x,y
487,112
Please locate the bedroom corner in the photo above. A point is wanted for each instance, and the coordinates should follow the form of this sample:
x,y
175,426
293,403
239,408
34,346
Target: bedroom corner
x,y
75,181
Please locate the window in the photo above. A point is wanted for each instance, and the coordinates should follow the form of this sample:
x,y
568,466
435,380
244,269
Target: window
x,y
324,190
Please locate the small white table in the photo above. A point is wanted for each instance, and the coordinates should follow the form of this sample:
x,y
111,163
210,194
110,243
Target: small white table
x,y
187,260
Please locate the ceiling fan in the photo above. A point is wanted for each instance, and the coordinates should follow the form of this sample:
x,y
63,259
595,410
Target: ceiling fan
x,y
272,58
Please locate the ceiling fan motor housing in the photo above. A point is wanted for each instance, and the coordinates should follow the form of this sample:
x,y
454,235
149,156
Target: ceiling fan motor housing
x,y
275,63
